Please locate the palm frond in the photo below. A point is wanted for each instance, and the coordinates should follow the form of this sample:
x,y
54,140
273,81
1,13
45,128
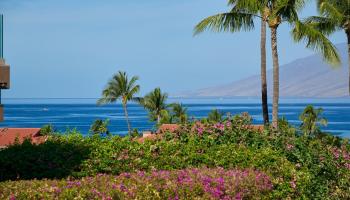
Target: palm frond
x,y
249,6
132,92
287,10
317,41
324,24
328,9
132,82
119,87
155,101
138,100
230,22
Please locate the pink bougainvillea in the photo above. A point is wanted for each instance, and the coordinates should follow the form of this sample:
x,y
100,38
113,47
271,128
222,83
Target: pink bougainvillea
x,y
204,183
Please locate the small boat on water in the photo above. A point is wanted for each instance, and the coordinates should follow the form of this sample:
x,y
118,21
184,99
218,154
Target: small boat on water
x,y
45,109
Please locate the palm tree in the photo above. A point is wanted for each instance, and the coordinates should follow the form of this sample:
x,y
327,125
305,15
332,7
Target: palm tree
x,y
279,11
310,119
236,20
99,127
120,87
179,112
155,103
215,116
165,117
274,12
335,16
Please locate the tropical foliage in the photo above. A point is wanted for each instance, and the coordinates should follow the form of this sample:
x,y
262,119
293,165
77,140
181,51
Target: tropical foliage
x,y
120,87
47,130
155,103
215,116
237,20
216,158
179,113
310,119
297,166
100,127
334,16
274,13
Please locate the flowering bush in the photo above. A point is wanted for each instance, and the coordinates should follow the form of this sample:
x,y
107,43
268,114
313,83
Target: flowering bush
x,y
192,183
299,166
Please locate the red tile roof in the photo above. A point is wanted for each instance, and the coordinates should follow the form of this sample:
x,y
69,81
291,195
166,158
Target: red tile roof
x,y
168,127
259,128
9,135
148,136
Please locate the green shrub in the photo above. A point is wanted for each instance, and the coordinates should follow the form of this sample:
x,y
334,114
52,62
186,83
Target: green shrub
x,y
300,166
47,130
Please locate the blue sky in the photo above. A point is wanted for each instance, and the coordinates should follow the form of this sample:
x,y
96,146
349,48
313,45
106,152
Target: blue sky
x,y
71,48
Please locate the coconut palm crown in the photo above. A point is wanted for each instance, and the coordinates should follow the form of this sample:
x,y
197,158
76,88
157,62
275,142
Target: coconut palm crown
x,y
120,87
311,118
179,113
155,103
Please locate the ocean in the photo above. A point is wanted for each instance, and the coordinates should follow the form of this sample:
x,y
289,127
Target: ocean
x,y
70,114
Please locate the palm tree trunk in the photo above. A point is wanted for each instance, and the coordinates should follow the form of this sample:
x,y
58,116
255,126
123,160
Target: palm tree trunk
x,y
347,31
158,119
265,108
127,118
275,77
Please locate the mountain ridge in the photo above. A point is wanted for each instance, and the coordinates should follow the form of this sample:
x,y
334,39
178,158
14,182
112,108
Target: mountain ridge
x,y
304,77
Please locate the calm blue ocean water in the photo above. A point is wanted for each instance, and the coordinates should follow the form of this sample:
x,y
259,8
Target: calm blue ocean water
x,y
80,116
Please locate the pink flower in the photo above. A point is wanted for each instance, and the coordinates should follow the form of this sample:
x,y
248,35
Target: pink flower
x,y
78,183
126,175
57,190
238,196
217,193
219,126
200,131
12,197
322,158
289,147
123,188
337,153
141,173
293,184
346,156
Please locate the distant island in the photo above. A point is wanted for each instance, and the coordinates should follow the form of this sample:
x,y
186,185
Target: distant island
x,y
306,77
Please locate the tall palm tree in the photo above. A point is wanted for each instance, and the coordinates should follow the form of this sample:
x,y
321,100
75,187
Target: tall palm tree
x,y
280,11
179,112
274,12
237,20
155,103
334,16
120,87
